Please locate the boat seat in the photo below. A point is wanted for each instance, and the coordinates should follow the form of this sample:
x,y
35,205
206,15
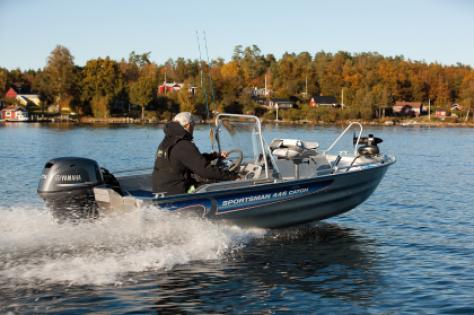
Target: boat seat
x,y
293,149
251,171
135,182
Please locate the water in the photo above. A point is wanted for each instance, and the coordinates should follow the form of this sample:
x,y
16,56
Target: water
x,y
408,249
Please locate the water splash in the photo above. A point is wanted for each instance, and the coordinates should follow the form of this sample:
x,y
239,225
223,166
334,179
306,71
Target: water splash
x,y
34,249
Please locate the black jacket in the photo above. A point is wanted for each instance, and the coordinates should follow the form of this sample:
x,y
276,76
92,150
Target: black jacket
x,y
177,158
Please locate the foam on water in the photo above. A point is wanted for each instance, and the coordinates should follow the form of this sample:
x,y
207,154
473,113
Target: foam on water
x,y
35,249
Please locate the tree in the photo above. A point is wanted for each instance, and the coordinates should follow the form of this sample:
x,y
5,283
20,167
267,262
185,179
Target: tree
x,y
185,100
467,94
103,83
139,60
143,91
253,66
238,52
61,75
3,81
231,84
42,85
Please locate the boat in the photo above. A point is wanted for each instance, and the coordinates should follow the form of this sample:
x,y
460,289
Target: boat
x,y
284,183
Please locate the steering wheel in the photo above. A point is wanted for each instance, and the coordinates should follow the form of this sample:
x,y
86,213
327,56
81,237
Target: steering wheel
x,y
235,164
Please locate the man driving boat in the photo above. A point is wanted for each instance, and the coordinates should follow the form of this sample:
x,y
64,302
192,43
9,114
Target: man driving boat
x,y
178,158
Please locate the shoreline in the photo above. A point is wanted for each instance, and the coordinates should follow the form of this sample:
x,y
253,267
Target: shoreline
x,y
388,123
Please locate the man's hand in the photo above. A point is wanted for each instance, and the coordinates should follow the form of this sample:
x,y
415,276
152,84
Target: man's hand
x,y
224,154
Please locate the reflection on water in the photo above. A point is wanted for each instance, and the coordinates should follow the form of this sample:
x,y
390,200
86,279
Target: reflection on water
x,y
408,249
319,262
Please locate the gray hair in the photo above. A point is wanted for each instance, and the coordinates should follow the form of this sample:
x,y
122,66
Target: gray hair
x,y
184,118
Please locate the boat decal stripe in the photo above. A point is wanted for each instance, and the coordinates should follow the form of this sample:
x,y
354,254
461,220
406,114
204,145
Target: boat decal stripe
x,y
266,197
204,204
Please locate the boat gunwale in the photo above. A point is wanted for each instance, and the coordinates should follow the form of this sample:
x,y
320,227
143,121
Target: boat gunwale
x,y
277,184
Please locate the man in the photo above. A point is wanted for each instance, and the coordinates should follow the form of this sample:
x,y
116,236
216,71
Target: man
x,y
178,157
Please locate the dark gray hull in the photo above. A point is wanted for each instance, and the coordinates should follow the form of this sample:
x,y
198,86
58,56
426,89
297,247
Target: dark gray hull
x,y
315,199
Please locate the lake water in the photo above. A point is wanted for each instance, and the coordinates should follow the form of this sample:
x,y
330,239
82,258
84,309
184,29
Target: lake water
x,y
408,249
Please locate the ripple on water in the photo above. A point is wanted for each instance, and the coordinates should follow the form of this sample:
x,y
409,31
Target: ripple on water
x,y
407,250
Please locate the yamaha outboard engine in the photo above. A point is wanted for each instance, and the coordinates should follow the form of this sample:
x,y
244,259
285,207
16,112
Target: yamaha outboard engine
x,y
368,146
66,186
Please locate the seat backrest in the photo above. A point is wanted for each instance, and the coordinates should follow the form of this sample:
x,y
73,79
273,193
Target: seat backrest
x,y
251,171
294,144
293,149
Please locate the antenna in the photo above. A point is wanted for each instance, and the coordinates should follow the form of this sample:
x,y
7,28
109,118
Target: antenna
x,y
209,65
306,86
200,67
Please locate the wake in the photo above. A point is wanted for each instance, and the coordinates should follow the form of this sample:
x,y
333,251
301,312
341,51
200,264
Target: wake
x,y
35,249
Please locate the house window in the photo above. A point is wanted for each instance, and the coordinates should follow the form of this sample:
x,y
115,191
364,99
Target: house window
x,y
9,114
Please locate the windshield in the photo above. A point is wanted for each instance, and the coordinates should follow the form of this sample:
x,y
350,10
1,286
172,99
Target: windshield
x,y
242,132
242,135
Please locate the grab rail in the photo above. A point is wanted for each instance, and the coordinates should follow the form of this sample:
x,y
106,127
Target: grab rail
x,y
348,167
385,160
343,133
133,170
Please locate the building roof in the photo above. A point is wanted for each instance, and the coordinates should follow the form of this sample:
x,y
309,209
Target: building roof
x,y
281,100
411,104
11,93
13,108
172,84
456,106
325,99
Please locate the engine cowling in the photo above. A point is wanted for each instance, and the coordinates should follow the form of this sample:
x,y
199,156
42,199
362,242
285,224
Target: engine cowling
x,y
66,185
368,146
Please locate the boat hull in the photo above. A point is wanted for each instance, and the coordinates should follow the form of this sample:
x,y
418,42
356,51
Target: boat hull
x,y
285,203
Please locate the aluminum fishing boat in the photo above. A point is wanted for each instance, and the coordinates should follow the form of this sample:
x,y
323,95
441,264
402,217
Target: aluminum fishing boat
x,y
288,182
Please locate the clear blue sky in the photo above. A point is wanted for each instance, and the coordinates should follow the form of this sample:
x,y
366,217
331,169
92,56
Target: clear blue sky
x,y
431,31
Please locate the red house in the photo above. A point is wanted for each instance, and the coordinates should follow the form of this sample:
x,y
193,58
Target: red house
x,y
23,99
14,113
11,93
441,113
169,87
174,87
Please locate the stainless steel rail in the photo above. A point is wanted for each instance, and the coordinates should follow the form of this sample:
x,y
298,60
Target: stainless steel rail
x,y
343,133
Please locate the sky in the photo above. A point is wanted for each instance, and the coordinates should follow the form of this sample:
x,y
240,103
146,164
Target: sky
x,y
439,31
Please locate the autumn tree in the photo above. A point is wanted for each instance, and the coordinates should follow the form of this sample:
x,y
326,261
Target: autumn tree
x,y
103,87
62,77
467,94
3,81
231,85
143,91
369,80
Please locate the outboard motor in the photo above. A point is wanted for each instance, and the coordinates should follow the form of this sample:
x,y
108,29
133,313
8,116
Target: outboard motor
x,y
368,146
66,186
